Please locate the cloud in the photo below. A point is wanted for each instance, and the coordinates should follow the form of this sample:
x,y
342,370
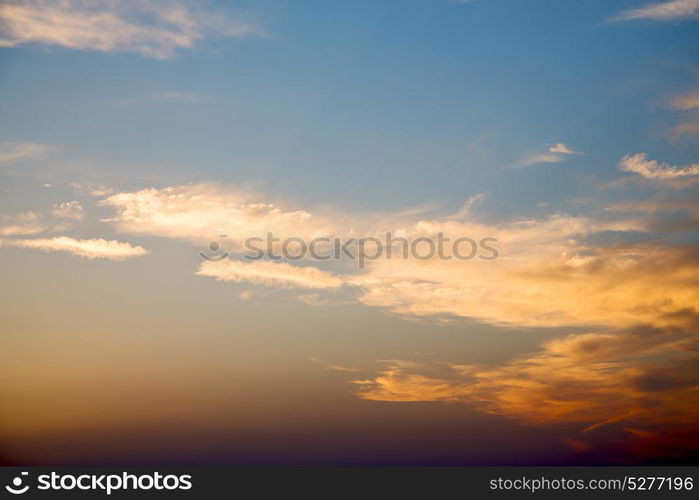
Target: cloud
x,y
651,169
552,271
68,210
96,248
642,378
92,189
662,11
563,149
468,206
13,151
331,366
555,154
155,29
564,283
633,371
201,212
686,101
24,224
269,274
32,223
559,385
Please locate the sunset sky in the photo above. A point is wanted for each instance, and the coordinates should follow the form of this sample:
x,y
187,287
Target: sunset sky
x,y
135,133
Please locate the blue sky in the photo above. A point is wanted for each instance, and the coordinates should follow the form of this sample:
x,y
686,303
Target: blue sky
x,y
338,101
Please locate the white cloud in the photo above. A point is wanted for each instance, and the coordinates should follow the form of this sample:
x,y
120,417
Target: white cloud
x,y
269,274
13,151
201,212
662,11
651,169
91,248
68,210
561,148
153,28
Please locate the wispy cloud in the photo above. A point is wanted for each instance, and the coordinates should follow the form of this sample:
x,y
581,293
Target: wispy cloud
x,y
91,248
539,158
651,169
331,366
92,189
556,154
155,29
62,217
270,274
686,101
468,206
68,210
13,151
662,11
563,149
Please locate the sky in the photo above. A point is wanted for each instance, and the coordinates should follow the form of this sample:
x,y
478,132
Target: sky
x,y
135,134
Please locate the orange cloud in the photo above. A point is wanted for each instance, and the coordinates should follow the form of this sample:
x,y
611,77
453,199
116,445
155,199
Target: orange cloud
x,y
646,378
